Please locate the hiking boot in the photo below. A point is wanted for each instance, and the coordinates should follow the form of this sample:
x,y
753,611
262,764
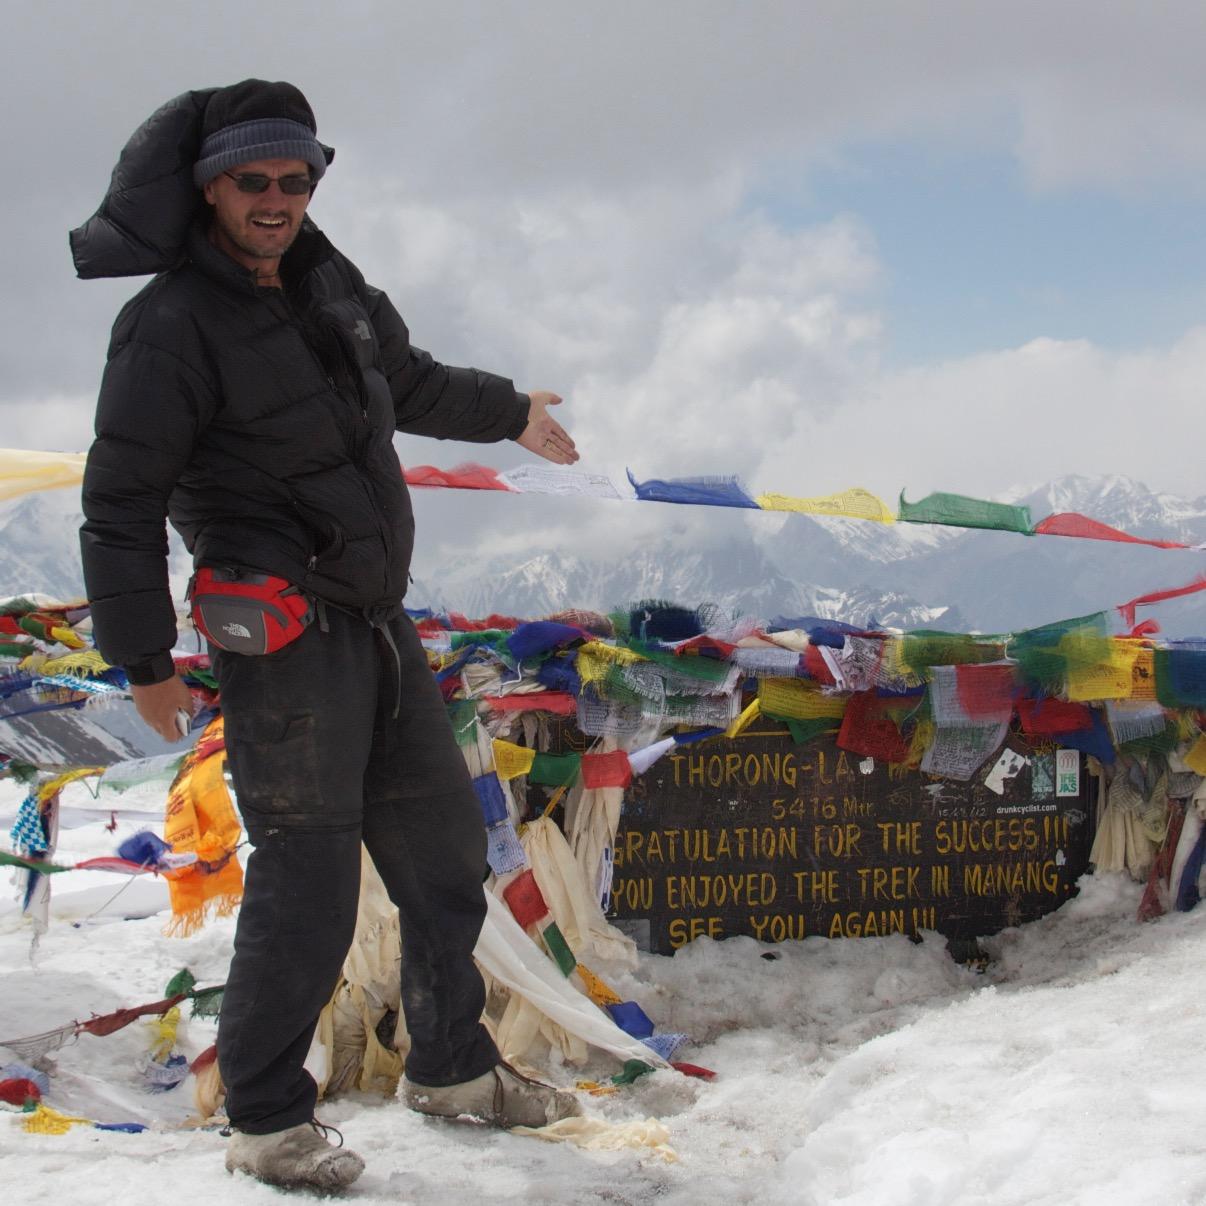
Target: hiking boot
x,y
298,1158
502,1097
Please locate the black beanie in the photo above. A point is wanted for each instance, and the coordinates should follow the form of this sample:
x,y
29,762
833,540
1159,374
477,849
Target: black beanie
x,y
256,119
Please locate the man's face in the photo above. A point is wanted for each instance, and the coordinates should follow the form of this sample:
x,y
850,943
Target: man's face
x,y
253,227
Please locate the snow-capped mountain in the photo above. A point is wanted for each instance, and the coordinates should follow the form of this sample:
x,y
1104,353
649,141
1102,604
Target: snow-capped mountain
x,y
894,575
40,547
1000,580
739,579
900,575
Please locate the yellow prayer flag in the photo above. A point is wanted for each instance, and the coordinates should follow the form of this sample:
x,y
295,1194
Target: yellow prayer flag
x,y
743,722
87,663
1143,676
798,700
23,471
855,503
1196,758
595,658
510,759
65,636
52,787
892,665
596,988
45,1121
1110,673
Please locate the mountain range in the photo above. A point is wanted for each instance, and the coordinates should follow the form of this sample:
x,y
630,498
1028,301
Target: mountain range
x,y
869,574
895,575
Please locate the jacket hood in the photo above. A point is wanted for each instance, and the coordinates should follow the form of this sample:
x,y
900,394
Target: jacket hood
x,y
142,225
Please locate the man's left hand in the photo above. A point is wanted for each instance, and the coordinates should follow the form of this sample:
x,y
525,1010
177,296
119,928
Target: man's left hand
x,y
544,435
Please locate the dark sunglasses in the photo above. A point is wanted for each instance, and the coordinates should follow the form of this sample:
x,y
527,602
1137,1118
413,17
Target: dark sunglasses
x,y
254,182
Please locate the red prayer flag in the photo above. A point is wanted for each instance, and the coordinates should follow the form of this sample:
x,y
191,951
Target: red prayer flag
x,y
1127,610
868,729
705,644
460,477
18,1090
606,770
461,623
107,1023
525,899
985,690
1155,895
560,703
203,1061
693,1070
1071,523
1049,717
817,669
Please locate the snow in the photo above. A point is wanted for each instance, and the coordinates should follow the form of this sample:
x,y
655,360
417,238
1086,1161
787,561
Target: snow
x,y
863,1072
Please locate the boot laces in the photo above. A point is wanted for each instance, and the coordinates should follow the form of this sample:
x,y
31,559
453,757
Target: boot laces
x,y
327,1131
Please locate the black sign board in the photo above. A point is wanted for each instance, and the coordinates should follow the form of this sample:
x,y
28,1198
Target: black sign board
x,y
760,836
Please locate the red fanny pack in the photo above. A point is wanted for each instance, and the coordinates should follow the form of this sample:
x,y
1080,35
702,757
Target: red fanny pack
x,y
242,611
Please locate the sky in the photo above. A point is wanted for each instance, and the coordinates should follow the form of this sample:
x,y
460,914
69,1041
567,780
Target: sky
x,y
938,246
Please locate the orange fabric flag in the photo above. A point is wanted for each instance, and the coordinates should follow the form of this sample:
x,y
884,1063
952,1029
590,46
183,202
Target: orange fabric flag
x,y
201,819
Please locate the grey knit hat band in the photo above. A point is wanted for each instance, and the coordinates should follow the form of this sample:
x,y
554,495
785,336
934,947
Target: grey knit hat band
x,y
261,138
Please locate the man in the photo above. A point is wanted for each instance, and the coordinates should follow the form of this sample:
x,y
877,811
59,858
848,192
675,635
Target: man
x,y
251,394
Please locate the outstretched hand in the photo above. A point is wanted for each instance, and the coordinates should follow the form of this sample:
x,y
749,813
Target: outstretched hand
x,y
544,435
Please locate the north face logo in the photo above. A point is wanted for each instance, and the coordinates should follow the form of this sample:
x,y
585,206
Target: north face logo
x,y
237,630
364,330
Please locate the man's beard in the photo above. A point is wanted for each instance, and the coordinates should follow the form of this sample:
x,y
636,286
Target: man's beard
x,y
239,238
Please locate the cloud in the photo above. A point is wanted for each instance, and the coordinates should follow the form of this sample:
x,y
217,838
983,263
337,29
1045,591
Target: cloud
x,y
983,424
567,194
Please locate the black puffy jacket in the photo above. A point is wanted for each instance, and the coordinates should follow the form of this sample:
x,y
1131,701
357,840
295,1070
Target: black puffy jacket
x,y
260,422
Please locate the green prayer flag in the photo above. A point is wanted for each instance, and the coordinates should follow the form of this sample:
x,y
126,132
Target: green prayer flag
x,y
182,981
558,948
463,714
634,1069
1163,742
1045,655
554,770
923,649
705,669
492,638
30,864
803,731
207,1002
958,511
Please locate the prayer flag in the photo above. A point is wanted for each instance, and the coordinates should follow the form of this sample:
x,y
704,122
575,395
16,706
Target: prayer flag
x,y
606,770
23,471
855,503
700,491
525,900
490,797
959,511
201,820
1070,523
1049,717
461,477
868,729
511,760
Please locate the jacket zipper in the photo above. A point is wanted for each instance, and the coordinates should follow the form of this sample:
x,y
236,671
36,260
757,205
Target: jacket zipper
x,y
358,456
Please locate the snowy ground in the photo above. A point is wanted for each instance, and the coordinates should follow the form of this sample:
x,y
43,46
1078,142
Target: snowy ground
x,y
871,1072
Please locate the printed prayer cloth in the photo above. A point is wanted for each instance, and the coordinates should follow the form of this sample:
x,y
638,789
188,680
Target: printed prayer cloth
x,y
201,819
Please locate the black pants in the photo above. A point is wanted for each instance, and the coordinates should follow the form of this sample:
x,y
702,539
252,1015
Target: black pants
x,y
319,765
